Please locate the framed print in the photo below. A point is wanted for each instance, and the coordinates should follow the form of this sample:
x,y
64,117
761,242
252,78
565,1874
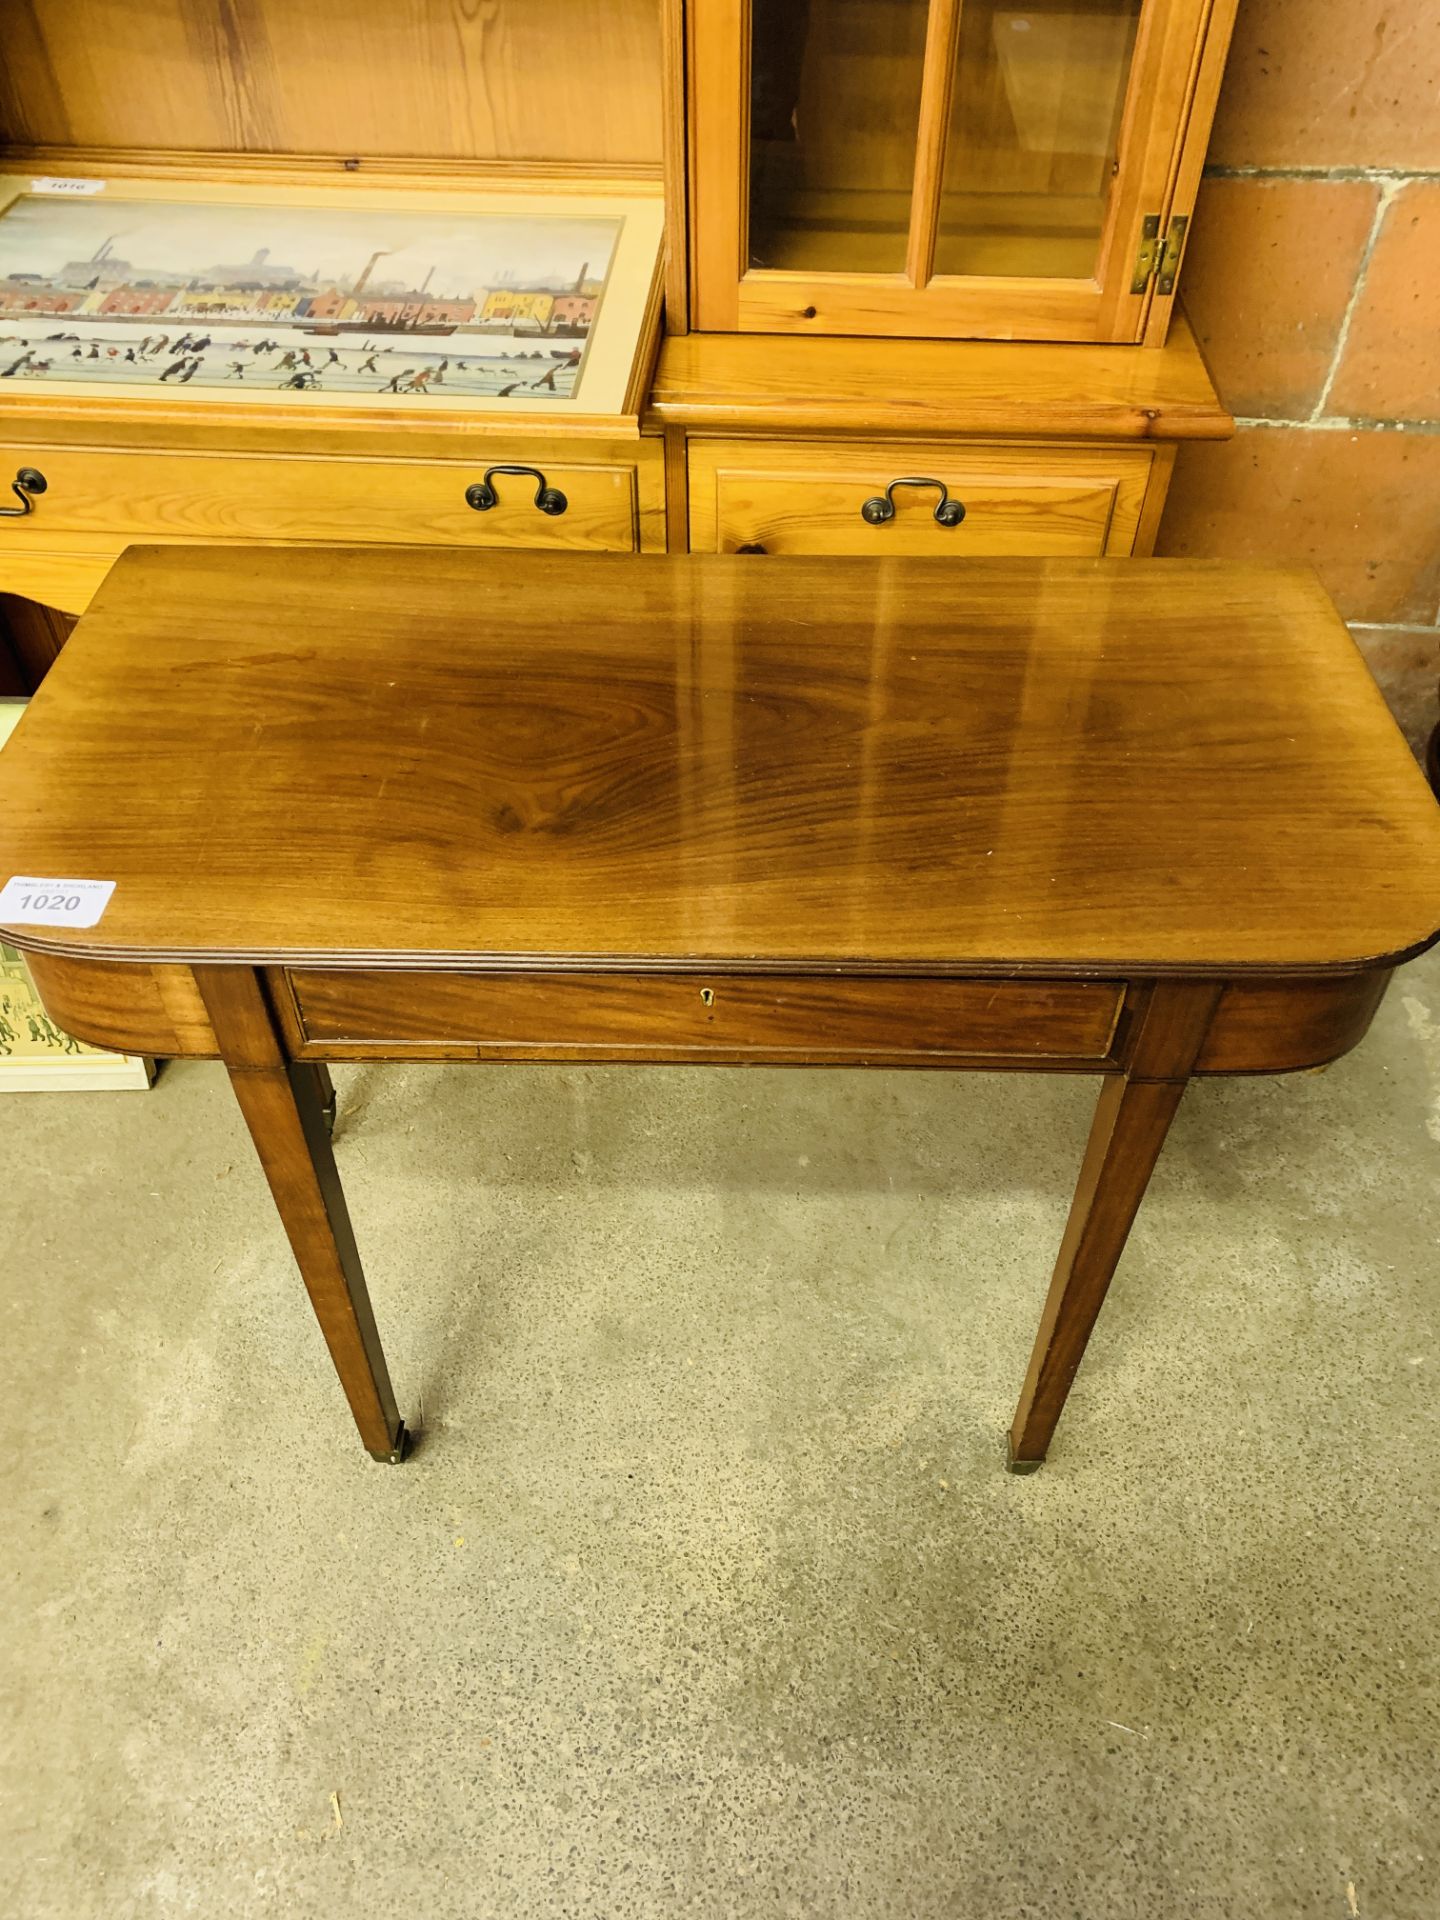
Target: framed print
x,y
512,304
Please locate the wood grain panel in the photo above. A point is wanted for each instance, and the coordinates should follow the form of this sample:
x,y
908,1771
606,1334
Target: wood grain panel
x,y
449,79
863,304
130,1008
724,383
13,681
1168,1029
1162,468
65,577
942,35
1262,1027
677,211
515,1015
419,757
717,128
806,498
203,497
31,635
677,492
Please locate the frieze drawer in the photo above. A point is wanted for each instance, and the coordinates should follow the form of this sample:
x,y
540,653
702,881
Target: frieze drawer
x,y
405,1015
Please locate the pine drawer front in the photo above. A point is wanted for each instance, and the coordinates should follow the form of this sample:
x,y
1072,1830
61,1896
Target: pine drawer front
x,y
747,1018
813,497
124,496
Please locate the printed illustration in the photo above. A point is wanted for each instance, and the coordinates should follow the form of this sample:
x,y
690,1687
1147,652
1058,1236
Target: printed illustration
x,y
25,1027
176,294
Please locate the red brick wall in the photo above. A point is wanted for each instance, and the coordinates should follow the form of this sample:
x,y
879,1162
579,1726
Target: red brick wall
x,y
1313,282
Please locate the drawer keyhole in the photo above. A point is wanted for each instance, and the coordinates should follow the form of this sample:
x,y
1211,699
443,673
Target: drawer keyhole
x,y
707,996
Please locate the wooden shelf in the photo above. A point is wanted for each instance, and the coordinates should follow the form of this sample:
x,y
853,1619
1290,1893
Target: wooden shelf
x,y
781,384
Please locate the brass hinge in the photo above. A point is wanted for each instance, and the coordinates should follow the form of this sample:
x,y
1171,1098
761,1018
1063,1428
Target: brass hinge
x,y
1168,265
1157,257
1149,249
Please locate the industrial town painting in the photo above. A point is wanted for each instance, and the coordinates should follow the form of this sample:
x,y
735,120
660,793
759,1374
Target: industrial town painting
x,y
387,301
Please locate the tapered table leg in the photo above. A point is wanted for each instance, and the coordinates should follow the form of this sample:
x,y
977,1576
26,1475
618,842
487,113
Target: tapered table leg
x,y
1131,1121
324,1089
282,1106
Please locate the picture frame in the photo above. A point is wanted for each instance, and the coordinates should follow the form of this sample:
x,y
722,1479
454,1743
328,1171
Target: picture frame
x,y
518,302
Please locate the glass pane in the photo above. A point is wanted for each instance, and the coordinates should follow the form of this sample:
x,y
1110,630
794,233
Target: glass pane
x,y
834,113
1033,129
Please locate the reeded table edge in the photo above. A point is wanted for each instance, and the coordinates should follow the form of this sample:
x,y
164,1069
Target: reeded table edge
x,y
388,960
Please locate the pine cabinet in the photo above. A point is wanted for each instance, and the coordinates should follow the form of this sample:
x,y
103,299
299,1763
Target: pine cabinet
x,y
918,252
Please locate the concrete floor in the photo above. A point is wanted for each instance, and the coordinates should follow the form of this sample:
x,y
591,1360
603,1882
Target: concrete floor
x,y
707,1593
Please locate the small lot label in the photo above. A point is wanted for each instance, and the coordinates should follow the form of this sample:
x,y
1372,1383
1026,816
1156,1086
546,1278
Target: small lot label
x,y
53,903
52,184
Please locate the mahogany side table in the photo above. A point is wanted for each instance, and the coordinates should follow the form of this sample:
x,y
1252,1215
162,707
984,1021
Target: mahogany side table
x,y
1141,819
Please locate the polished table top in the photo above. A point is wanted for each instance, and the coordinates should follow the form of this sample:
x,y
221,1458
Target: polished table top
x,y
396,758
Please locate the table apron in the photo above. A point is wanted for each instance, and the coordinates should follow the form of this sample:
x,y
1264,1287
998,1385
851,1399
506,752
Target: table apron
x,y
1260,1025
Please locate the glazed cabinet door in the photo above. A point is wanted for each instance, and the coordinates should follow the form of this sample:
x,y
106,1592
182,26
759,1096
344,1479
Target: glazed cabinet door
x,y
951,168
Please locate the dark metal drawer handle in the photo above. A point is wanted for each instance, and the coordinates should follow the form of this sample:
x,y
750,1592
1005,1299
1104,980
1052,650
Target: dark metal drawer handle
x,y
948,513
27,481
482,496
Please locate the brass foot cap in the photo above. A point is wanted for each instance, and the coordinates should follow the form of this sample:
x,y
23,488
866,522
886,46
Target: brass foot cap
x,y
1012,1465
396,1453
